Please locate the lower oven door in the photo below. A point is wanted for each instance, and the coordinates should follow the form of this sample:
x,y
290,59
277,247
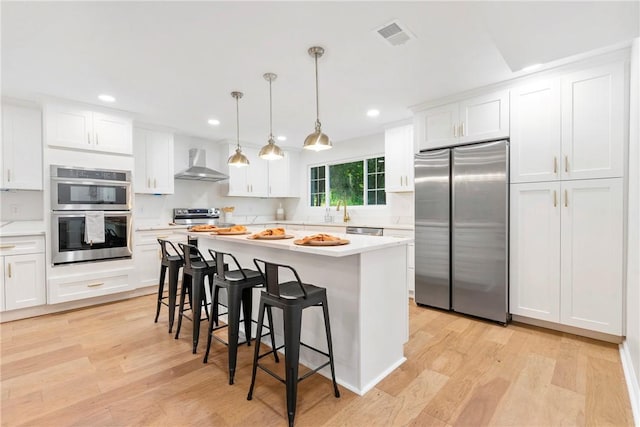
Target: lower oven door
x,y
68,242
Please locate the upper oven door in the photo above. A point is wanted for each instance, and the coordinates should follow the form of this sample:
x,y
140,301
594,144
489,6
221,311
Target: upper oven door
x,y
72,194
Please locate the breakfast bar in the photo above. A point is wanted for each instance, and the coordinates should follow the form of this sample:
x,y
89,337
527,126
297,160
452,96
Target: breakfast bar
x,y
367,297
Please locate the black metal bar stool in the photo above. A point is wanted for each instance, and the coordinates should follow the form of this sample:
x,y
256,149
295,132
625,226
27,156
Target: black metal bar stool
x,y
173,263
239,284
291,297
195,269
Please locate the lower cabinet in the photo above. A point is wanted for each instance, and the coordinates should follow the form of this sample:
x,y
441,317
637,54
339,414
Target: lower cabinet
x,y
411,257
88,285
566,250
147,255
22,280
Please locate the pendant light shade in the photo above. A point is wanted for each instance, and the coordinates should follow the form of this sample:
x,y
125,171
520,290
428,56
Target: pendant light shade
x,y
238,159
270,151
317,141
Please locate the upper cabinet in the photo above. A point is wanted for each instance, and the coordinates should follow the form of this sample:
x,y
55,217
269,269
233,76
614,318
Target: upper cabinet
x,y
79,128
153,156
21,148
398,152
480,118
570,127
263,178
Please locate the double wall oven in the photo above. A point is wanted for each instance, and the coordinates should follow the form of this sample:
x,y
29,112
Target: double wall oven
x,y
75,191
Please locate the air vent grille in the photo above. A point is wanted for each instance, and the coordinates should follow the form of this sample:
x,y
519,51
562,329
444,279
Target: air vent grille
x,y
395,34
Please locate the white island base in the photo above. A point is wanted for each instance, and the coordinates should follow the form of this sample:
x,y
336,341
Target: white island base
x,y
367,298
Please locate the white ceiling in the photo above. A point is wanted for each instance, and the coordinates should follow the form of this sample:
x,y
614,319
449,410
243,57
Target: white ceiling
x,y
175,63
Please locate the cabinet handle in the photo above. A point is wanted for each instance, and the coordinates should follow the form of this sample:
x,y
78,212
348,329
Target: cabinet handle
x,y
7,246
161,237
9,269
247,188
455,130
88,138
149,182
566,198
566,164
555,165
8,175
252,188
555,198
155,184
269,189
93,285
462,129
96,139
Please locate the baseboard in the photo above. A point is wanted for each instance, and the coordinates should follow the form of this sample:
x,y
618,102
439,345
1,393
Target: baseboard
x,y
601,336
632,381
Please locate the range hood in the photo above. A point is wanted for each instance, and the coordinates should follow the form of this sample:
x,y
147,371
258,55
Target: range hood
x,y
197,170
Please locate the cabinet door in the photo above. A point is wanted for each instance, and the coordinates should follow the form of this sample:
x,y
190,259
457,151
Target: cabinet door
x,y
141,180
279,181
68,127
257,174
485,117
21,148
112,133
437,127
2,283
147,261
398,152
535,132
592,241
159,163
238,176
24,281
535,250
593,123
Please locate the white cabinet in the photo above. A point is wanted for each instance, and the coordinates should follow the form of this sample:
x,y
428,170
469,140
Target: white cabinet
x,y
283,176
593,122
480,118
89,284
411,257
566,253
570,127
147,254
398,153
79,128
535,132
23,277
153,155
21,148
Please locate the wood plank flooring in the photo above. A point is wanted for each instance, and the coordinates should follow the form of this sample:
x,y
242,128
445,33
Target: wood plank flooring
x,y
110,365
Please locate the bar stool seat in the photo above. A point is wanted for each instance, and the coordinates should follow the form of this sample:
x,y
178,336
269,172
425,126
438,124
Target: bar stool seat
x,y
239,284
291,297
196,269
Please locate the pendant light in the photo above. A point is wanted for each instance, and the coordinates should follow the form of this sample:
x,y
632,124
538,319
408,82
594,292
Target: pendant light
x,y
270,151
317,141
238,159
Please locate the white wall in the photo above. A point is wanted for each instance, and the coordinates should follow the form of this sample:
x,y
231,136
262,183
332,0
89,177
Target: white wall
x,y
399,208
19,205
158,209
633,253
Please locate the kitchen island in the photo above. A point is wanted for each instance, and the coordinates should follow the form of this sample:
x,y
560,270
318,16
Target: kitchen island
x,y
366,291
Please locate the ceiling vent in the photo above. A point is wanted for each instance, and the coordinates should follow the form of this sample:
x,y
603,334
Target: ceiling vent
x,y
395,34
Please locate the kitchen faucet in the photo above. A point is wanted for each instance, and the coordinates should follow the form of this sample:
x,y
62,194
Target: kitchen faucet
x,y
346,216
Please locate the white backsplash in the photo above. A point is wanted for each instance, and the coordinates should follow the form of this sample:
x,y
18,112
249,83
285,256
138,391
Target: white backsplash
x,y
20,205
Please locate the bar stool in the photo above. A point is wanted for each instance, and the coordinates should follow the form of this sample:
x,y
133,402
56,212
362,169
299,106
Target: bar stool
x,y
173,263
239,284
195,269
291,297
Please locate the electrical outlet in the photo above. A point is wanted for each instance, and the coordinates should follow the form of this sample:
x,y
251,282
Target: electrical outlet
x,y
14,209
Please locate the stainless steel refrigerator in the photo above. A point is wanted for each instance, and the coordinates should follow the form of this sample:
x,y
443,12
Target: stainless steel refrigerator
x,y
461,229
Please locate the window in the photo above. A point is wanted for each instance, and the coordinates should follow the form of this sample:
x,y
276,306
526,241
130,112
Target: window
x,y
358,183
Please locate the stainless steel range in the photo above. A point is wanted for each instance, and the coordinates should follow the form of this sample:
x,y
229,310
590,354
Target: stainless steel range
x,y
185,216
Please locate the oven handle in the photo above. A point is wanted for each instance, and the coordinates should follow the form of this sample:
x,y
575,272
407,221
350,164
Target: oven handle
x,y
89,182
78,214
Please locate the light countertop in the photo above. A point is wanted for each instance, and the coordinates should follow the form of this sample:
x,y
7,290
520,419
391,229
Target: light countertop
x,y
21,228
166,226
358,243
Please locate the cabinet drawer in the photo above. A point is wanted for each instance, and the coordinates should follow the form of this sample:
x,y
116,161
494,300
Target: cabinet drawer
x,y
21,245
151,237
80,286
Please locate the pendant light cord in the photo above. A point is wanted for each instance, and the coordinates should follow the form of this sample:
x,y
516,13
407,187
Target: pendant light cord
x,y
237,123
317,96
270,113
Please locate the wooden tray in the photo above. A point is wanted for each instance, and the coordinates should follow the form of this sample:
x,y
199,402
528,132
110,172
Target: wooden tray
x,y
231,233
322,243
286,236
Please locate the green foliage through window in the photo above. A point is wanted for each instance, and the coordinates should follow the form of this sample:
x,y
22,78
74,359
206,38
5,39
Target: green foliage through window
x,y
357,183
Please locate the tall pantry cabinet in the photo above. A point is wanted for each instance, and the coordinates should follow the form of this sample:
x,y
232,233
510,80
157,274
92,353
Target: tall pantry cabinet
x,y
567,152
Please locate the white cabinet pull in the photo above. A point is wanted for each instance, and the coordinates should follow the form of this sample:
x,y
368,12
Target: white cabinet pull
x,y
555,165
93,285
7,246
566,164
9,269
88,138
455,130
566,198
8,175
555,198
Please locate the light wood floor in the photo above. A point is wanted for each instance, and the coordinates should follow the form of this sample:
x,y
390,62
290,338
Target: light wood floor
x,y
111,365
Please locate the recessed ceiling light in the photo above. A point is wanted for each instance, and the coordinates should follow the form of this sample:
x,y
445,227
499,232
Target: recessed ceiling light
x,y
373,113
532,67
213,122
106,98
281,138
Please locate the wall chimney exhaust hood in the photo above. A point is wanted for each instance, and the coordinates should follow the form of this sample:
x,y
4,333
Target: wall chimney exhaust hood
x,y
197,170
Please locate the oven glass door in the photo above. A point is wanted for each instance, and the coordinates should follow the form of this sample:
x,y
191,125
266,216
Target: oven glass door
x,y
90,195
69,242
